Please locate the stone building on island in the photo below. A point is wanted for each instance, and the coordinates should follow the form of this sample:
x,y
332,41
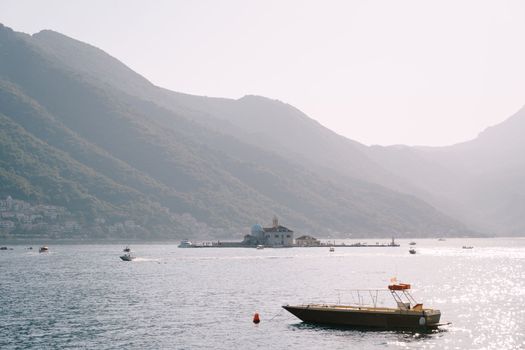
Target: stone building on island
x,y
307,241
275,236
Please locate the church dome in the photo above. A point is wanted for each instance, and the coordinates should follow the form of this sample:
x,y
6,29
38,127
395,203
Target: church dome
x,y
256,229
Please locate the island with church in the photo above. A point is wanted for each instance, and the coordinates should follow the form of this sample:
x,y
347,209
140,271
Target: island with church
x,y
277,236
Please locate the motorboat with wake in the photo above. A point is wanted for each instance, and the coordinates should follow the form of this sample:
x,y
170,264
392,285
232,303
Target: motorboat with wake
x,y
127,257
412,251
408,314
43,249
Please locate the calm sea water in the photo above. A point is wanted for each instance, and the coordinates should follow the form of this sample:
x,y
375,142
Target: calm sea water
x,y
83,296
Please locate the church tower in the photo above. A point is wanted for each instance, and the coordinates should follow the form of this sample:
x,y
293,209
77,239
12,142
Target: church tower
x,y
275,222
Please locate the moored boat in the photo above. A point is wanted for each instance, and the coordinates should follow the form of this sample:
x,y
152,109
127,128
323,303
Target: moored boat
x,y
408,314
260,246
468,247
412,243
127,249
43,249
185,244
412,251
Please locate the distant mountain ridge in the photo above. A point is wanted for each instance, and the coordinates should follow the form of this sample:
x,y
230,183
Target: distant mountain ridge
x,y
480,180
183,165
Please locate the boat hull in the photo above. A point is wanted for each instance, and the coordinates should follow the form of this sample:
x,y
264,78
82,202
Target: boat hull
x,y
366,317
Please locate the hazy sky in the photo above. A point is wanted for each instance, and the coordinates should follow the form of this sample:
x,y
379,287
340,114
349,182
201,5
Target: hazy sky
x,y
379,72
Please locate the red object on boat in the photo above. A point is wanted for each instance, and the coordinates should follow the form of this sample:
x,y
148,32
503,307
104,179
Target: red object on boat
x,y
399,286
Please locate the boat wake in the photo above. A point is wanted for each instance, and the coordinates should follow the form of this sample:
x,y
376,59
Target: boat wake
x,y
145,260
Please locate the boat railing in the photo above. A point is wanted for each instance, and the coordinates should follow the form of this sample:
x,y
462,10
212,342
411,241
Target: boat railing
x,y
371,297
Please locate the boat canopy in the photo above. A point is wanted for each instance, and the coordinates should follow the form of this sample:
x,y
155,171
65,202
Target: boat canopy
x,y
399,286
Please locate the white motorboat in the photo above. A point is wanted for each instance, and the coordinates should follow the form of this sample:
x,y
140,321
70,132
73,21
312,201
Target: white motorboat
x,y
127,257
185,244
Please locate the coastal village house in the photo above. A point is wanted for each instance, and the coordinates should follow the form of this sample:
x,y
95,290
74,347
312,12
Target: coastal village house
x,y
275,236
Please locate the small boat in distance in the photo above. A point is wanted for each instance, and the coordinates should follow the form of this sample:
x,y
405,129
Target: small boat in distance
x,y
441,239
185,244
3,248
412,243
43,249
260,246
332,249
127,257
127,249
408,314
468,247
412,251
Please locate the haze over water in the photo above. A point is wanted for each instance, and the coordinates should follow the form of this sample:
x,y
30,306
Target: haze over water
x,y
83,296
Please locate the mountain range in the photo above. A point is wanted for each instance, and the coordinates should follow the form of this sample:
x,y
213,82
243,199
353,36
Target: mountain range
x,y
83,131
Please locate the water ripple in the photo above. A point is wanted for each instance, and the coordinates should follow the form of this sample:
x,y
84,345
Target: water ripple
x,y
83,296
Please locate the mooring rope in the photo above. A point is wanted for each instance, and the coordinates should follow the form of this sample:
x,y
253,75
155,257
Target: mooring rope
x,y
277,314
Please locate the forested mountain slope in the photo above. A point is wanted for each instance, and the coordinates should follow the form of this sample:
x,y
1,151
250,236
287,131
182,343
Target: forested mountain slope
x,y
112,145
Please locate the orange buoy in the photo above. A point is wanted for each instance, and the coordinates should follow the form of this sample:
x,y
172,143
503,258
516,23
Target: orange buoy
x,y
256,318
